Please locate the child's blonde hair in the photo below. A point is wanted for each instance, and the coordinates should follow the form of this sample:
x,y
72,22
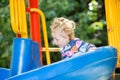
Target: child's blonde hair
x,y
65,25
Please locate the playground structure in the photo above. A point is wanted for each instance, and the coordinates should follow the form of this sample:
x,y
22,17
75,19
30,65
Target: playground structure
x,y
26,60
97,67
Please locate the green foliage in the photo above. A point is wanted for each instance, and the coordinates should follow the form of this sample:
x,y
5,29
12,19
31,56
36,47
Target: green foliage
x,y
3,3
6,36
89,16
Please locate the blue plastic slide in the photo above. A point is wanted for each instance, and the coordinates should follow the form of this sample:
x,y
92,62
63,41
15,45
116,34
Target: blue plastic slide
x,y
95,65
4,73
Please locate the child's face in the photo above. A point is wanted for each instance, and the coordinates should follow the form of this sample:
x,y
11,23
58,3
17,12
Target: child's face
x,y
59,38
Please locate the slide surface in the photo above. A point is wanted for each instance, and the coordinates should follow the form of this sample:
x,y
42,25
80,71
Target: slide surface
x,y
4,73
95,65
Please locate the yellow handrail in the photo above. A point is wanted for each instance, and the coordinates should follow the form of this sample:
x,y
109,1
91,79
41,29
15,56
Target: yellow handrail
x,y
51,49
44,32
18,17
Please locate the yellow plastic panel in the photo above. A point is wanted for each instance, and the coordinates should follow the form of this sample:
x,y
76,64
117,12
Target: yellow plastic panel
x,y
18,17
112,8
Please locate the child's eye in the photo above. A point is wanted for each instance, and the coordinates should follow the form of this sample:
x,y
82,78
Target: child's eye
x,y
55,39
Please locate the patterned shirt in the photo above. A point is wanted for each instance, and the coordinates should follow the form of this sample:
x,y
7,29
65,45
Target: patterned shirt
x,y
75,46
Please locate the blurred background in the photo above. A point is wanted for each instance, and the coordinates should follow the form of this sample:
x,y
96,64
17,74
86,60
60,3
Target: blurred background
x,y
89,16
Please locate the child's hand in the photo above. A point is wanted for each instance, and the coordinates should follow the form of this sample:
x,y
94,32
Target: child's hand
x,y
92,48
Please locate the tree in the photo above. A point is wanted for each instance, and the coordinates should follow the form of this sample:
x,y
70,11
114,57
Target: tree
x,y
89,16
6,34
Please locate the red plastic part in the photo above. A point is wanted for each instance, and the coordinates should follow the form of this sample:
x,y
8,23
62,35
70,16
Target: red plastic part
x,y
35,25
18,35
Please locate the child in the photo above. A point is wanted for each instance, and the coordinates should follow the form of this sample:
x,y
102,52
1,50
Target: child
x,y
62,31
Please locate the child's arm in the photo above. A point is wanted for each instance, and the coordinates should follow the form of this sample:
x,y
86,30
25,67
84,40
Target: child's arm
x,y
91,47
